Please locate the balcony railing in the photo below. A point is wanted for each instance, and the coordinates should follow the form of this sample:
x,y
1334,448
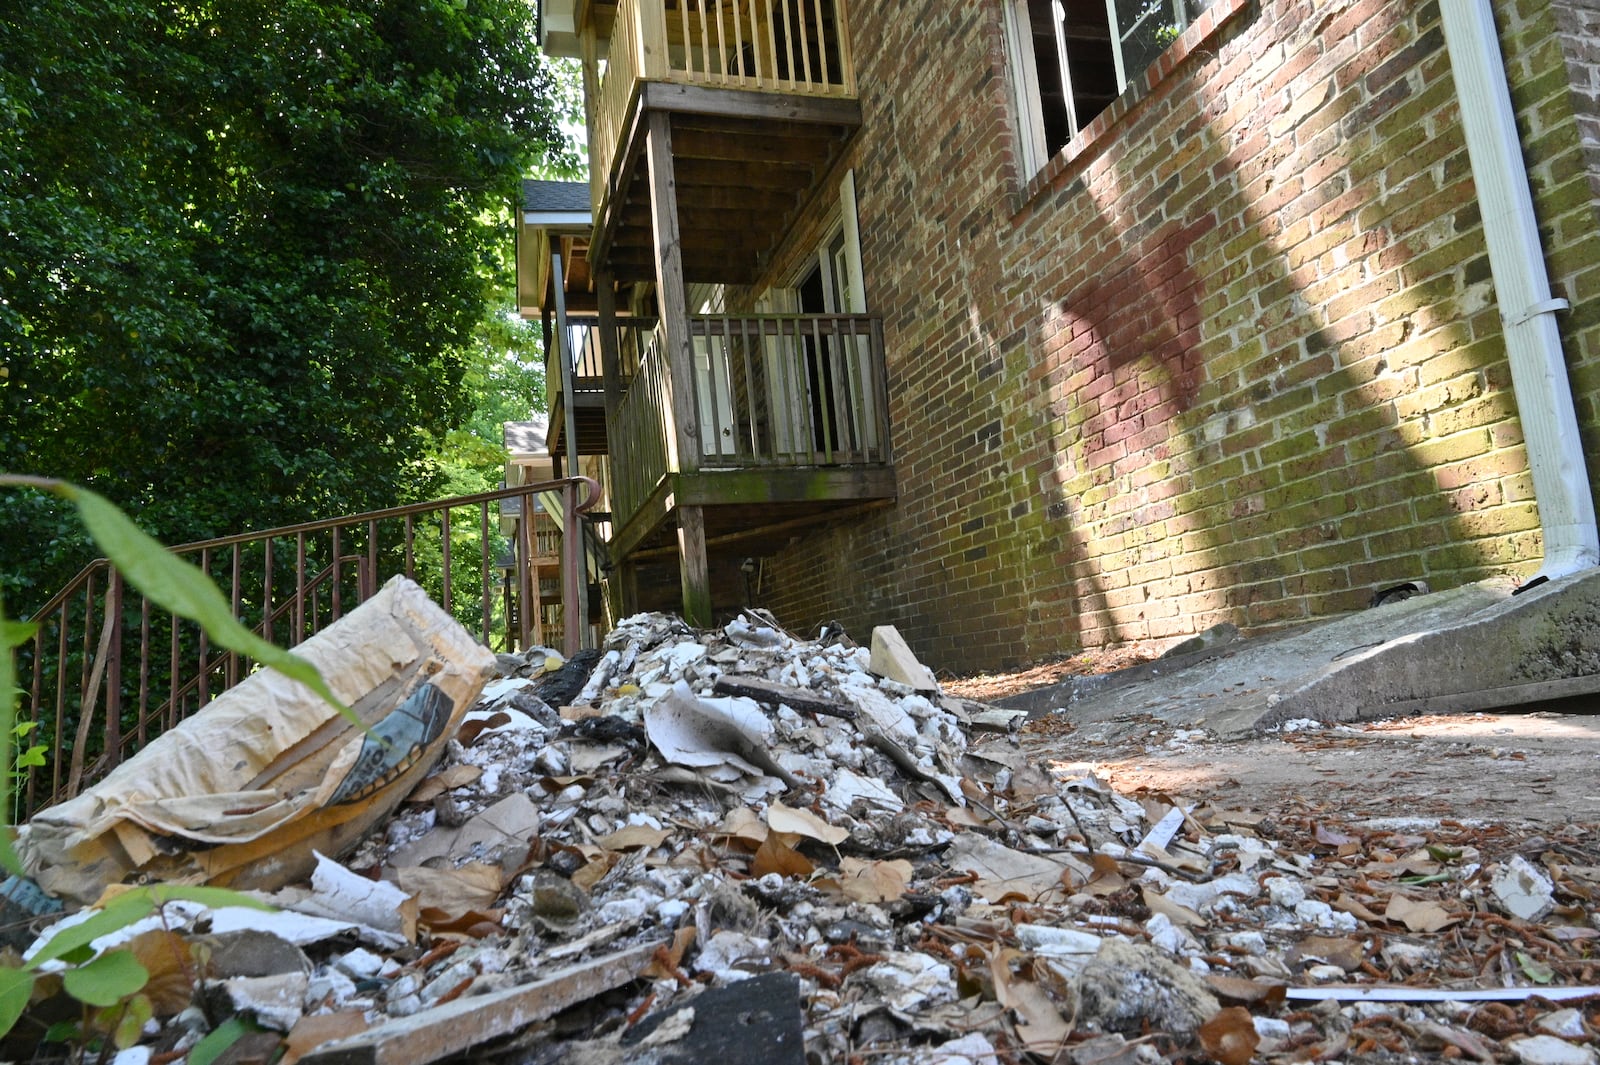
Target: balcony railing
x,y
788,46
588,372
769,391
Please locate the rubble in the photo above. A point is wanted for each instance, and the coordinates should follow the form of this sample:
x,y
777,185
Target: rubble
x,y
741,845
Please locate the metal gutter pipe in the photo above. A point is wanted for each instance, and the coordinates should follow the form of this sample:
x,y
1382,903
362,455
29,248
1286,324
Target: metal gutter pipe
x,y
1522,287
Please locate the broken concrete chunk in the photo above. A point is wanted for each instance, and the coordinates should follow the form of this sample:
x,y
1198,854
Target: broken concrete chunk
x,y
1127,986
1522,890
1548,1050
891,658
276,1002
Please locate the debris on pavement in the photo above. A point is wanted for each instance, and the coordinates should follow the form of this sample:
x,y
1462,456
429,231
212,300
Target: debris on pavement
x,y
740,845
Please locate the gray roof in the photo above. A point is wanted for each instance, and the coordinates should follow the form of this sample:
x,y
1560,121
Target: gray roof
x,y
563,197
527,437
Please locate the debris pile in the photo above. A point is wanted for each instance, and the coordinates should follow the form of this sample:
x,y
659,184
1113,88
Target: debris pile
x,y
745,846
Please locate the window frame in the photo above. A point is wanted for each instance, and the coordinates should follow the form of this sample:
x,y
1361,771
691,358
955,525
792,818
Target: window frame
x,y
1027,99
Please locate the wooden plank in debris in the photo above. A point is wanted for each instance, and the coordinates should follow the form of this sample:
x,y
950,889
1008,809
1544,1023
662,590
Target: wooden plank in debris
x,y
438,1033
769,694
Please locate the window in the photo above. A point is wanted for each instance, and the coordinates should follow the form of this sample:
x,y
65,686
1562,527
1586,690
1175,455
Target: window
x,y
1072,58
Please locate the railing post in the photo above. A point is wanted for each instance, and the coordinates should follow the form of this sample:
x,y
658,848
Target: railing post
x,y
651,43
571,561
114,595
527,579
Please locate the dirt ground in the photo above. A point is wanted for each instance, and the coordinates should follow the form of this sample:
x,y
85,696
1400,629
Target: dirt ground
x,y
1537,768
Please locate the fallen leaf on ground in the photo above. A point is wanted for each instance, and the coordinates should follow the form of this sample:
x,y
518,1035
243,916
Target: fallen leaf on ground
x,y
1230,1037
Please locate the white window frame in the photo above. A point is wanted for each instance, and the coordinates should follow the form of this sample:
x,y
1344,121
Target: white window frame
x,y
1026,96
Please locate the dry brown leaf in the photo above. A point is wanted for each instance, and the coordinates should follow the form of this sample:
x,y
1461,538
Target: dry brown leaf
x,y
474,924
554,784
1177,914
1039,1020
874,881
1354,906
781,818
578,713
1419,915
682,939
1107,878
468,733
742,826
1241,991
1347,952
630,837
587,877
1230,1037
963,817
454,777
473,886
169,959
309,1033
1330,837
776,856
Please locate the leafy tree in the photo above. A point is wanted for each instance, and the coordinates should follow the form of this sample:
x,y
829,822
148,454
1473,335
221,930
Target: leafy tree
x,y
246,250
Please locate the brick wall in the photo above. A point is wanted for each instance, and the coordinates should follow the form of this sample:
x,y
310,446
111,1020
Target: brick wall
x,y
1233,356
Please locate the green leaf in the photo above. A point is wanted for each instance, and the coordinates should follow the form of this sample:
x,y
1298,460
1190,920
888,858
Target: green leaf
x,y
214,897
175,585
129,1028
31,757
1535,970
120,912
1441,853
221,1038
61,1032
107,980
16,987
132,905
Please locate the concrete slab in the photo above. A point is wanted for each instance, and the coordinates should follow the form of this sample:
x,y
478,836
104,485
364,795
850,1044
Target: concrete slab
x,y
1477,647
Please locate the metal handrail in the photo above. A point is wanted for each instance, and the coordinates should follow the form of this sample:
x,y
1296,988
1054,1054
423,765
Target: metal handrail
x,y
108,669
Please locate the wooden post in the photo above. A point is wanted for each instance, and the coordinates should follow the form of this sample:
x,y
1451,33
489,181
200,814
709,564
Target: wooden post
x,y
683,437
693,568
611,369
652,39
610,355
575,585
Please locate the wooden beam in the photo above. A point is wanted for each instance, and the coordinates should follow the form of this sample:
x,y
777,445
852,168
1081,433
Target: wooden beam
x,y
638,526
767,147
719,199
448,1030
818,134
724,221
683,435
756,532
785,485
713,173
693,570
742,103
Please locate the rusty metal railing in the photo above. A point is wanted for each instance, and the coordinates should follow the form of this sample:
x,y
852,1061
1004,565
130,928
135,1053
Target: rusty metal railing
x,y
106,670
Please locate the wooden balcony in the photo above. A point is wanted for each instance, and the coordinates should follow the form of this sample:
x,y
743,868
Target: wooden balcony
x,y
791,426
588,379
761,98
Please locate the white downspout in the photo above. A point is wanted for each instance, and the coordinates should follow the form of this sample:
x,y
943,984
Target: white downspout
x,y
1516,261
